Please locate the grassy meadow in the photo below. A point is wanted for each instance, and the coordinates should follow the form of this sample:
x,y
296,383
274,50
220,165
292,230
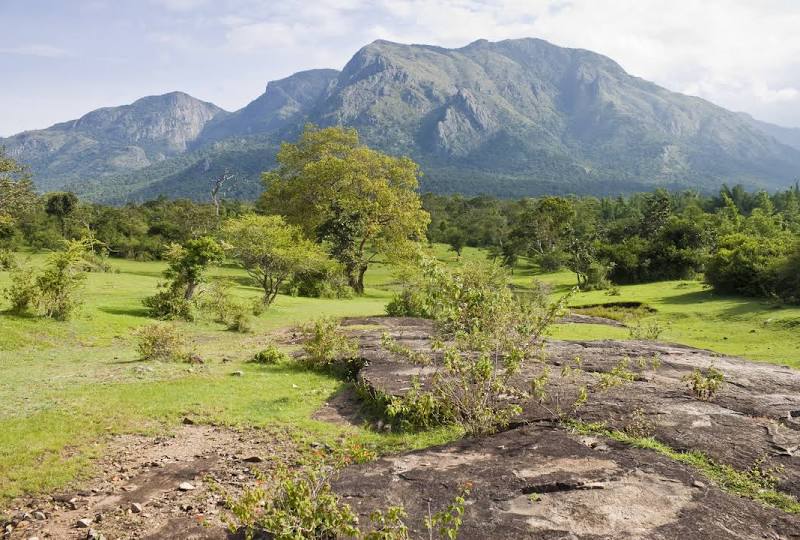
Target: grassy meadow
x,y
67,386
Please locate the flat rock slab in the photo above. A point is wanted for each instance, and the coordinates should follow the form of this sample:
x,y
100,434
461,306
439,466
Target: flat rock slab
x,y
756,414
543,482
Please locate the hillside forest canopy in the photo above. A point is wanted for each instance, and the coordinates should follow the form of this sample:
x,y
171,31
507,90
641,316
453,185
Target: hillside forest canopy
x,y
339,206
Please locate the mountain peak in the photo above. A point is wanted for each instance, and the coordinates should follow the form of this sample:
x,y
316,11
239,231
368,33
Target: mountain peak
x,y
512,117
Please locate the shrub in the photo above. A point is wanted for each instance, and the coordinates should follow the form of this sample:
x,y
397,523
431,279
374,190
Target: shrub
x,y
551,261
648,330
326,279
302,505
160,342
7,260
406,304
169,304
743,264
22,292
486,334
596,277
97,262
240,320
218,300
325,344
270,355
58,283
704,386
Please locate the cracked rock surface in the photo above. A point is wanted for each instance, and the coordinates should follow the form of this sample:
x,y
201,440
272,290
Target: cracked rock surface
x,y
755,416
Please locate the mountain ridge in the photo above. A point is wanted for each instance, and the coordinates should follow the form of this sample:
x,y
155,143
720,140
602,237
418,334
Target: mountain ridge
x,y
514,117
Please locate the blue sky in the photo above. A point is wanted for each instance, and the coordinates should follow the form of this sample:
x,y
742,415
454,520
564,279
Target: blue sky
x,y
62,58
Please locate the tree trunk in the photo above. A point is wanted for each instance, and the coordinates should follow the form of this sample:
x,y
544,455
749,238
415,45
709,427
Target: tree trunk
x,y
361,272
190,288
355,278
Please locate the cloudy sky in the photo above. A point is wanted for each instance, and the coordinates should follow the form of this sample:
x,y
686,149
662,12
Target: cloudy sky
x,y
61,58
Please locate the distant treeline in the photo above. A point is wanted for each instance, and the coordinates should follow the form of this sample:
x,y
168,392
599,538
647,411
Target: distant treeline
x,y
741,241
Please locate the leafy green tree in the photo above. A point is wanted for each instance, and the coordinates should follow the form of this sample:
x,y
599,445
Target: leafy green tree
x,y
361,202
61,205
188,263
457,240
271,250
16,191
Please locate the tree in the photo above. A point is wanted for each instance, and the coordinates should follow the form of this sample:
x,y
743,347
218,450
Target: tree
x,y
216,187
16,191
271,250
188,263
61,205
361,202
457,241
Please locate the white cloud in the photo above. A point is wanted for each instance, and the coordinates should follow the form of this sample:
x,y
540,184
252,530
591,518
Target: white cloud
x,y
181,5
44,51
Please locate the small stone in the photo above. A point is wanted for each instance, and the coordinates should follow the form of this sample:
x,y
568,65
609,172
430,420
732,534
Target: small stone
x,y
237,373
136,508
38,515
698,484
188,421
94,535
253,459
84,523
185,486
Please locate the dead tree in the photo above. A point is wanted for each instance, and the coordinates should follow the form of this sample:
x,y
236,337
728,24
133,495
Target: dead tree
x,y
216,186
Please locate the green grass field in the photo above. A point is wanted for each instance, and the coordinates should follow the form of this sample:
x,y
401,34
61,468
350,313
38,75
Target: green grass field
x,y
67,386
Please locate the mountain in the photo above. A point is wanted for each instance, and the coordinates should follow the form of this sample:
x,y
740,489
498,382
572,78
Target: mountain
x,y
515,117
112,140
785,135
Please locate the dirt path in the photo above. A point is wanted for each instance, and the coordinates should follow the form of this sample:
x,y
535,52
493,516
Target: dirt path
x,y
155,487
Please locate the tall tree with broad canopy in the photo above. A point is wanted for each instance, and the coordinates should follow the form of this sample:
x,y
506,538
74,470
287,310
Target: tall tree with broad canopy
x,y
271,250
361,202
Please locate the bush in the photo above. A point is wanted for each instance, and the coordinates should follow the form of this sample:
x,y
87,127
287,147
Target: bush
x,y
162,342
7,260
240,320
704,386
270,355
325,344
406,304
218,300
743,264
486,334
325,280
649,330
302,505
169,304
596,277
22,292
551,261
53,291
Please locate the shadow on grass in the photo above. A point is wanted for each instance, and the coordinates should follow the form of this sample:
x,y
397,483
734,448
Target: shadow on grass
x,y
130,311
